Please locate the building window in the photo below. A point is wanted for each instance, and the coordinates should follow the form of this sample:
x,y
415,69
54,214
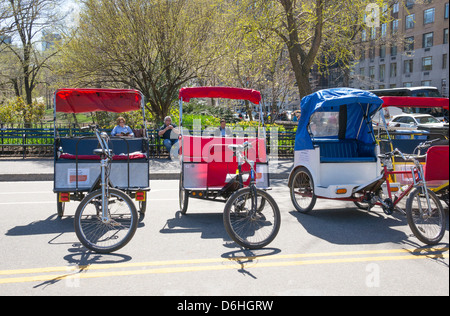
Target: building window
x,y
373,33
409,43
410,3
382,71
393,50
383,30
409,22
372,72
428,16
393,70
446,11
372,53
394,28
427,63
445,36
395,8
444,61
426,83
363,36
382,51
362,55
427,40
408,66
407,84
361,73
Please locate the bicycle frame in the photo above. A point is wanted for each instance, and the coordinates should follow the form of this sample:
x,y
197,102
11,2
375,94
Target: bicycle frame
x,y
103,141
418,181
252,185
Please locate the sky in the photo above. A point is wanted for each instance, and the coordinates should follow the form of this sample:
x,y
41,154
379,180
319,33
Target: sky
x,y
73,7
70,7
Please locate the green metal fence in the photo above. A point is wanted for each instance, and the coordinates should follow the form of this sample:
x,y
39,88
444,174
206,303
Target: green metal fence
x,y
38,142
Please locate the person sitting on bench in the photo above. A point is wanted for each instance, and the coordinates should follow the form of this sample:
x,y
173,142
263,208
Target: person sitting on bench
x,y
121,129
223,130
169,133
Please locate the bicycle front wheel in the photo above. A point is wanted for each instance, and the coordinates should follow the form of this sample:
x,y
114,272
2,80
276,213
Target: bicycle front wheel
x,y
109,235
251,228
427,223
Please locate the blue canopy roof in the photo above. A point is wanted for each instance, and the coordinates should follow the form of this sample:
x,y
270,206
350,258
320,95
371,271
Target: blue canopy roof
x,y
355,108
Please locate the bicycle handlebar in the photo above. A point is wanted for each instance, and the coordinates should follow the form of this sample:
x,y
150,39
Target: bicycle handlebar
x,y
427,143
397,152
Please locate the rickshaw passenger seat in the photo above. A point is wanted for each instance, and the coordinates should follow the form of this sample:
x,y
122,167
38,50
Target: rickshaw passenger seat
x,y
219,158
345,151
86,146
437,163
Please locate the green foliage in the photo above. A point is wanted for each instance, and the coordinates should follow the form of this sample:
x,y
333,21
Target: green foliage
x,y
17,111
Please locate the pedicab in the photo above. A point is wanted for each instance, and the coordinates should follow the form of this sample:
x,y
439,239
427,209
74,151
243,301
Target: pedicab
x,y
434,143
338,157
231,170
76,161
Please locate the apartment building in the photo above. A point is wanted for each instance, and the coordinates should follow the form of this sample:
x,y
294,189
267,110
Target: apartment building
x,y
411,49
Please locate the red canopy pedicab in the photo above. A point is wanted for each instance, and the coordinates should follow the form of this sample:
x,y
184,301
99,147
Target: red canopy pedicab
x,y
76,166
232,170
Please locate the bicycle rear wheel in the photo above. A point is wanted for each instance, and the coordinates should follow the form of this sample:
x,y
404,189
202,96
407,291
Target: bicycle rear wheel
x,y
427,225
252,229
106,237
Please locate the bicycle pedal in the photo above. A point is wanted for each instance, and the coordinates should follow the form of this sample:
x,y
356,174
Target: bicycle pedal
x,y
388,207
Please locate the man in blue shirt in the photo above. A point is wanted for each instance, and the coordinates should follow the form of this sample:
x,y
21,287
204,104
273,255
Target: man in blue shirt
x,y
223,130
121,129
169,133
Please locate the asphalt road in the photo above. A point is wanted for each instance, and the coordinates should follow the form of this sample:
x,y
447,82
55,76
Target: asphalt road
x,y
335,250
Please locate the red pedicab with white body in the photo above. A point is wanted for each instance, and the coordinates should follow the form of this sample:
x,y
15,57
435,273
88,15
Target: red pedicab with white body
x,y
232,170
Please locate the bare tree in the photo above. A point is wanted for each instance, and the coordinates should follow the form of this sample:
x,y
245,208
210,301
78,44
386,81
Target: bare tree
x,y
26,21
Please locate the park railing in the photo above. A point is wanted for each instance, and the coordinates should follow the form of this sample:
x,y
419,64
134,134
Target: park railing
x,y
38,142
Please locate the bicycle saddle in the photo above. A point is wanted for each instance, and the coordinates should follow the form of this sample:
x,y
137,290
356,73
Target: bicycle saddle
x,y
99,152
235,148
242,147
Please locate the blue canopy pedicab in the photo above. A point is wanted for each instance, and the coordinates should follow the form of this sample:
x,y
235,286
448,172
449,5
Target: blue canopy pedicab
x,y
338,157
335,146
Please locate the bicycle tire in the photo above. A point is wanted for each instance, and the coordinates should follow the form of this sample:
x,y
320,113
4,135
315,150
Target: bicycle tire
x,y
303,179
183,197
111,231
421,225
236,222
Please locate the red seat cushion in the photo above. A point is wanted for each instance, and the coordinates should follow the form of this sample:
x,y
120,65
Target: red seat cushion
x,y
95,157
436,166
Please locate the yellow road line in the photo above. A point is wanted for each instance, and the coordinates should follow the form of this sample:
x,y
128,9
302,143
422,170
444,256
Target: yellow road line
x,y
216,260
84,271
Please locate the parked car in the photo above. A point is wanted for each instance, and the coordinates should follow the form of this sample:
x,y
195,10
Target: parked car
x,y
416,121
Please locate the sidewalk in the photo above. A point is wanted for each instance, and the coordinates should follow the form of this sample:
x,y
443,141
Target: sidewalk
x,y
15,169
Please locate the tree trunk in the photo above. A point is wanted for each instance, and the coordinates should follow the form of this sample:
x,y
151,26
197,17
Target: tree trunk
x,y
301,60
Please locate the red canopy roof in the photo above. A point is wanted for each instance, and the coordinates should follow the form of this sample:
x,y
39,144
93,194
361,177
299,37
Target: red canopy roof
x,y
92,100
420,102
220,92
